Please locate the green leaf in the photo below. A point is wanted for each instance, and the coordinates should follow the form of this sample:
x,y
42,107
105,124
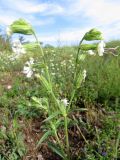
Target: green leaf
x,y
51,116
79,80
93,34
87,47
31,46
59,122
20,152
82,57
63,110
45,83
39,103
55,149
80,109
22,27
44,137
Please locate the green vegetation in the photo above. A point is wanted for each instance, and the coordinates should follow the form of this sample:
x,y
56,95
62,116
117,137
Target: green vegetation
x,y
61,104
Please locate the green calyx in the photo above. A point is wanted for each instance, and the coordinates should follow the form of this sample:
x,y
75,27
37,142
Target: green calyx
x,y
93,34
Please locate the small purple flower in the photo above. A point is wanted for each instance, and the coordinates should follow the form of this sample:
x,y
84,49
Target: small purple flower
x,y
104,153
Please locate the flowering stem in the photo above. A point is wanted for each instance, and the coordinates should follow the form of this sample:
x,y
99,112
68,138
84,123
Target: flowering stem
x,y
56,102
72,96
38,44
76,61
75,75
46,67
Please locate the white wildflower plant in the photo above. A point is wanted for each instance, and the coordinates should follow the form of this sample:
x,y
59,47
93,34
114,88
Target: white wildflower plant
x,y
17,49
58,107
28,68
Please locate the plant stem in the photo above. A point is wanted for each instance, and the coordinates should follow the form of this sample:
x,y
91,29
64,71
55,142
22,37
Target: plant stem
x,y
76,61
117,145
57,138
75,75
65,125
66,134
38,44
56,102
46,67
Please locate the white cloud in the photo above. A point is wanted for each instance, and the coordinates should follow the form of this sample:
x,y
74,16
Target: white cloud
x,y
111,31
72,35
37,21
103,12
99,12
25,6
11,10
6,20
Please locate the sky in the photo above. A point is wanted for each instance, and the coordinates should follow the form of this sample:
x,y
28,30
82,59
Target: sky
x,y
64,21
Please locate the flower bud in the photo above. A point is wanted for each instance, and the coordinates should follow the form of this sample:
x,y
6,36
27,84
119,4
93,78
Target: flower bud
x,y
93,34
22,27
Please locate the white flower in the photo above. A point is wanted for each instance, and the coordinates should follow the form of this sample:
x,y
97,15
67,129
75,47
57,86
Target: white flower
x,y
8,31
18,48
52,51
84,74
28,70
63,63
51,60
100,48
52,64
13,57
53,74
42,71
65,102
9,87
70,61
90,52
31,60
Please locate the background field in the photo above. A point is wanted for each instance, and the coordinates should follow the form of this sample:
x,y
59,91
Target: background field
x,y
98,121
